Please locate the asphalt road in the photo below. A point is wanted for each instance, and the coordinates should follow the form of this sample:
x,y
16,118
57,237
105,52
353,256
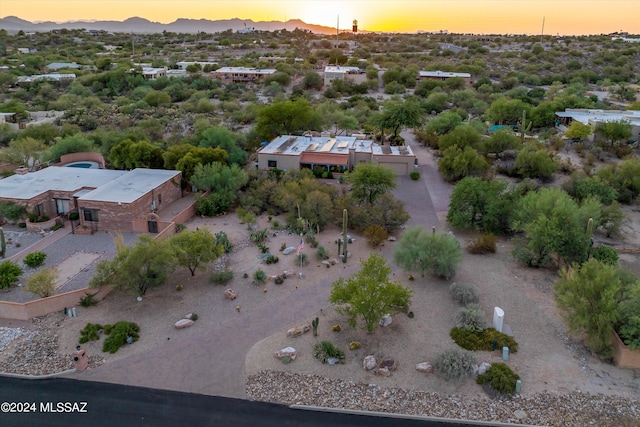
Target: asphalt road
x,y
100,404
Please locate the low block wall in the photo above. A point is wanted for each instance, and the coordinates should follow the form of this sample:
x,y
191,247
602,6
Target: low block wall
x,y
42,306
623,356
36,227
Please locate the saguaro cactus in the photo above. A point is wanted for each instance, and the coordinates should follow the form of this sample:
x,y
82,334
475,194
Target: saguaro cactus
x,y
345,219
3,243
314,325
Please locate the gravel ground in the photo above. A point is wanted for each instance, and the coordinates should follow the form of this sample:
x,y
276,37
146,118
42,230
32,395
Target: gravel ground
x,y
545,409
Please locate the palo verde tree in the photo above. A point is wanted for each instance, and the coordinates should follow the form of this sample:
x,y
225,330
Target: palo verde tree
x,y
370,180
590,294
421,250
194,249
136,268
397,115
369,294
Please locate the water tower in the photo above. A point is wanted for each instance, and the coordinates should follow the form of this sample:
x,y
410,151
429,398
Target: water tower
x,y
355,25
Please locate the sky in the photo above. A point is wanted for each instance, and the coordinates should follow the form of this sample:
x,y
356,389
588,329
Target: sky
x,y
563,17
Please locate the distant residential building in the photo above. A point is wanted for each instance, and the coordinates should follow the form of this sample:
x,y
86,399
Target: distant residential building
x,y
154,73
335,154
55,66
246,30
444,75
242,74
593,117
338,72
52,77
627,39
23,50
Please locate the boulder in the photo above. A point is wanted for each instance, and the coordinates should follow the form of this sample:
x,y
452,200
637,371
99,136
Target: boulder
x,y
391,238
298,330
369,363
184,323
333,261
425,367
383,372
289,250
386,320
287,351
230,294
333,361
389,364
483,368
326,262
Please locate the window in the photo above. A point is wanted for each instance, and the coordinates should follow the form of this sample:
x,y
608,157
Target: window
x,y
90,215
39,210
62,206
272,163
159,198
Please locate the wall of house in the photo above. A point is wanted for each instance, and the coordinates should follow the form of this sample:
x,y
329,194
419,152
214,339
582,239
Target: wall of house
x,y
623,356
111,215
402,165
79,157
285,161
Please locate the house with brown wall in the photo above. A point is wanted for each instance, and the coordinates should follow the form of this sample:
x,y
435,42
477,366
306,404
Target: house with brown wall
x,y
104,199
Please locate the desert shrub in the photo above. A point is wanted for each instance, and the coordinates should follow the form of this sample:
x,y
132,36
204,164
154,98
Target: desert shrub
x,y
483,244
90,332
74,216
455,364
223,240
276,225
259,236
88,300
311,240
259,276
483,340
9,274
303,259
325,350
194,316
322,253
463,293
42,283
35,259
470,318
375,235
279,280
221,277
415,175
500,377
605,254
271,259
263,248
118,336
245,216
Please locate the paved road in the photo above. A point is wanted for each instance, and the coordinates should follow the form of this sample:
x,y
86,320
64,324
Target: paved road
x,y
113,405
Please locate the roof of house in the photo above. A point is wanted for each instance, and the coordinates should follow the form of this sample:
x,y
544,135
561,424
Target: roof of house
x,y
340,69
245,70
27,186
324,158
340,145
58,65
585,116
443,74
131,186
41,77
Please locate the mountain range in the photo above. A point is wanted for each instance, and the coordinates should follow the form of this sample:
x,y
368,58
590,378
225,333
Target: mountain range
x,y
13,24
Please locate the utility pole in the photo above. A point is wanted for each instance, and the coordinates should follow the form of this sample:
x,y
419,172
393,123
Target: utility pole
x,y
542,32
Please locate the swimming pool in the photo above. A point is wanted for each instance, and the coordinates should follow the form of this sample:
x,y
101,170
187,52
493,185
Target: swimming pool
x,y
83,165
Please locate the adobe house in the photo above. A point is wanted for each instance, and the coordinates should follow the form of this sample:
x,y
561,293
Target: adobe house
x,y
354,74
338,154
444,76
104,199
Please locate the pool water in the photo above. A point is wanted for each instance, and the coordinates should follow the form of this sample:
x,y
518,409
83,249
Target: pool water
x,y
83,165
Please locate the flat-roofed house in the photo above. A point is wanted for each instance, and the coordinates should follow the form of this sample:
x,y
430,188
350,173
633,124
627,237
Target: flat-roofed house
x,y
104,199
242,74
339,72
444,75
334,154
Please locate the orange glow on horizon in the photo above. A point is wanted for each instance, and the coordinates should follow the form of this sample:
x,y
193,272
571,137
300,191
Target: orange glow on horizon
x,y
455,16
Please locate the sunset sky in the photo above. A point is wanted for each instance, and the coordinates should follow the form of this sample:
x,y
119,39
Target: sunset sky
x,y
460,16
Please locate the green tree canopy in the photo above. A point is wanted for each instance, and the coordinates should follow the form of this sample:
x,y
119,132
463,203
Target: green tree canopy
x,y
77,143
25,152
590,294
443,123
136,268
397,115
284,118
370,180
457,164
462,136
369,294
130,154
614,132
221,137
194,249
578,131
423,251
507,111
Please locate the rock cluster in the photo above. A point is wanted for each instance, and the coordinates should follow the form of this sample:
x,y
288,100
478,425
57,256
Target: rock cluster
x,y
36,352
572,409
